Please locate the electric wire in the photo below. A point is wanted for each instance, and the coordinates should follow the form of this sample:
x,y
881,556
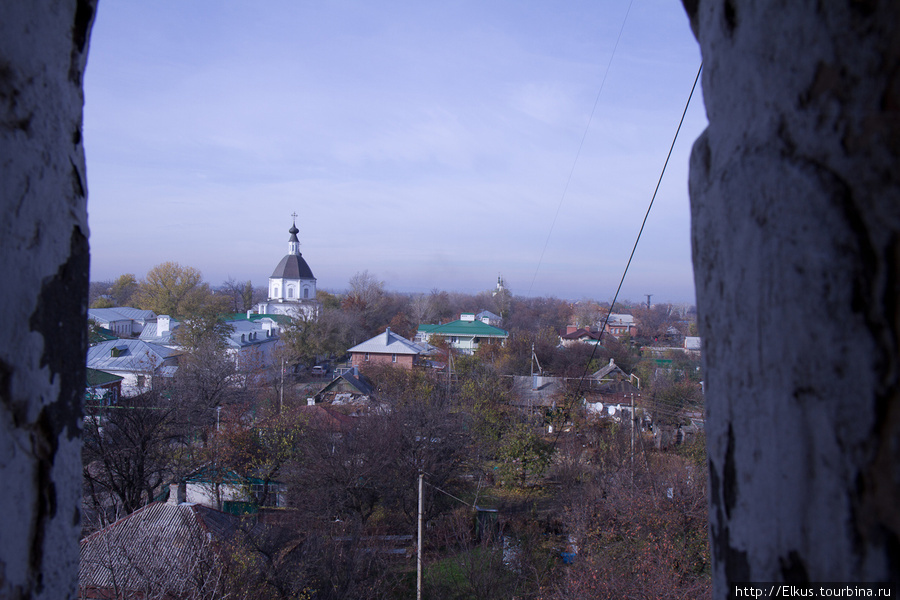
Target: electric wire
x,y
569,402
580,146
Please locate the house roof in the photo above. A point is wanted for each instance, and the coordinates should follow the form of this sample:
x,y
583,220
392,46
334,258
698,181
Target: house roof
x,y
97,378
464,328
621,319
581,333
160,545
487,314
528,390
133,355
388,343
246,328
149,334
120,313
611,369
256,317
100,334
357,382
292,266
691,343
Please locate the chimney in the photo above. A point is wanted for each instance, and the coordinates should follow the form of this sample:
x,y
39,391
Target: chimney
x,y
387,336
162,324
571,329
177,493
249,312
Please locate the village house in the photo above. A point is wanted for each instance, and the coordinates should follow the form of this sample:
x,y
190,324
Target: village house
x,y
387,348
579,335
464,335
123,321
619,325
348,388
168,550
138,362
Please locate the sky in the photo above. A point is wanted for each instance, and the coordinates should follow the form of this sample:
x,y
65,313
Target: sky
x,y
435,145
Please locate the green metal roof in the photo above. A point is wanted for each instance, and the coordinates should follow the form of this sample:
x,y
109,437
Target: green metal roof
x,y
283,319
100,334
96,377
465,328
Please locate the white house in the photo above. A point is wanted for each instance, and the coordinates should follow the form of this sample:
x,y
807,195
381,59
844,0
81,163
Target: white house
x,y
124,321
464,335
136,361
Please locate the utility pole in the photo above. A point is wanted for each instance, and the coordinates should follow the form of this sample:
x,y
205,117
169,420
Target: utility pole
x,y
632,437
419,546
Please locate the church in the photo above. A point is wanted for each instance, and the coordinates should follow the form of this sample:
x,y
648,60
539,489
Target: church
x,y
292,285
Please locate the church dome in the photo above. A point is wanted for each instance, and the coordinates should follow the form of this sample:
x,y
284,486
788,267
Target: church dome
x,y
292,266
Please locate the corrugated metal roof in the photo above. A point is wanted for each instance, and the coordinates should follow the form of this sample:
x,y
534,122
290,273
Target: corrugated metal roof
x,y
606,370
133,355
159,548
388,343
546,392
96,377
120,313
149,333
472,328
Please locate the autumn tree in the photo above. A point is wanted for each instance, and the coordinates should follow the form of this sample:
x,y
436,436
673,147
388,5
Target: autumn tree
x,y
171,289
123,289
238,293
261,448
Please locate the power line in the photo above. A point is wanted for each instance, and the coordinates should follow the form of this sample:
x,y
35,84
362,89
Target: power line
x,y
580,146
573,398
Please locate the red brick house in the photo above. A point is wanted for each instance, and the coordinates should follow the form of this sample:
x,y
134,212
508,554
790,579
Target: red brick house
x,y
387,348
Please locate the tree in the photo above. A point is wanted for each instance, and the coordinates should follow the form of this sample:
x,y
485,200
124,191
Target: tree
x,y
126,451
123,289
260,448
171,289
524,455
206,375
239,294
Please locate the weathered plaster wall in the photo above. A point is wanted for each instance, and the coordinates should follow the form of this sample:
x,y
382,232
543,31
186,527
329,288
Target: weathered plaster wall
x,y
796,228
44,271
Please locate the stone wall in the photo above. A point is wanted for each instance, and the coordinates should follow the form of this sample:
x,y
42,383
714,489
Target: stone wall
x,y
44,271
796,232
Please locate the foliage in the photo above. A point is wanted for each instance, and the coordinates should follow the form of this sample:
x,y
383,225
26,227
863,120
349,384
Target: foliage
x,y
171,289
639,533
239,294
524,456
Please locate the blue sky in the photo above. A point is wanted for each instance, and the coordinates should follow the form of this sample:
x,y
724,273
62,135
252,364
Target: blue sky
x,y
428,143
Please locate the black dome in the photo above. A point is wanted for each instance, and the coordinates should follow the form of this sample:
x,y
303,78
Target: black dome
x,y
292,266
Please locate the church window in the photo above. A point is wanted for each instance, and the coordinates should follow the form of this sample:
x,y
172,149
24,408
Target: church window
x,y
306,292
290,292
